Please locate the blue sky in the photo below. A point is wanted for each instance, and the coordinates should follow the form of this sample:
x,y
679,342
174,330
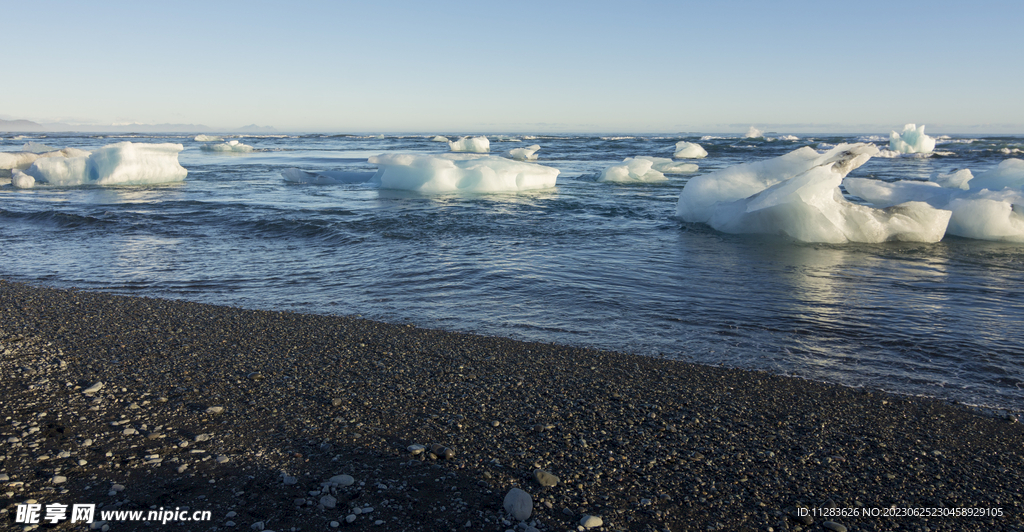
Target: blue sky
x,y
525,66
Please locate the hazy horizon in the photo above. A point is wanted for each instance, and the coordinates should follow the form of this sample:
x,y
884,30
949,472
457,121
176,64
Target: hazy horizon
x,y
540,67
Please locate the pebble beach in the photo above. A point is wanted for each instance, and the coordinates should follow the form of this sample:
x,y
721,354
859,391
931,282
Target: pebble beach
x,y
284,422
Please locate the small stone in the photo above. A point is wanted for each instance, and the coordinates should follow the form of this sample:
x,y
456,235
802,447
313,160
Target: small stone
x,y
231,514
117,488
134,406
59,479
203,437
335,402
495,423
87,442
182,468
229,524
350,518
328,501
64,454
290,480
591,521
834,526
518,504
343,480
215,410
94,388
258,525
82,462
545,478
416,449
378,522
223,459
335,524
129,431
4,477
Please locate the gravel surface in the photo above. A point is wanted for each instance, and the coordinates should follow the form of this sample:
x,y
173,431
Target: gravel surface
x,y
282,421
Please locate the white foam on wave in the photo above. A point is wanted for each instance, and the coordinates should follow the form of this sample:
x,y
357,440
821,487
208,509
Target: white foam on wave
x,y
689,150
989,206
470,144
528,153
457,172
439,138
124,163
231,146
797,195
912,140
754,133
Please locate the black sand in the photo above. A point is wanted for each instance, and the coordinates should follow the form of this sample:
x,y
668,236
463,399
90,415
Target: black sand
x,y
645,444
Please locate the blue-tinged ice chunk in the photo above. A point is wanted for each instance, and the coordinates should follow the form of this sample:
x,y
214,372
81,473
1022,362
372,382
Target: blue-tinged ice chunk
x,y
455,172
528,153
124,163
912,140
470,144
689,150
797,195
1009,174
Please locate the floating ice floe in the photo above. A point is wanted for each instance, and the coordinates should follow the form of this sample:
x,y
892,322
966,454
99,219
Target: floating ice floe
x,y
455,172
21,160
470,144
912,140
989,206
528,153
643,169
439,138
331,177
124,163
36,147
208,138
689,150
797,195
632,170
754,133
231,146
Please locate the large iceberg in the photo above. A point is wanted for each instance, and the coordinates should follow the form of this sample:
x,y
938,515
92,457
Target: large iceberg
x,y
456,172
912,140
470,144
231,146
689,150
528,153
330,177
989,206
124,163
797,195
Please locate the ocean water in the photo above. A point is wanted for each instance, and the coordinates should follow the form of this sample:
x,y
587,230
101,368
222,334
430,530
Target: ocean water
x,y
586,263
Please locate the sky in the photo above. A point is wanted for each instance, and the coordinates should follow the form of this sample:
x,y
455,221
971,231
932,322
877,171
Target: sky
x,y
525,66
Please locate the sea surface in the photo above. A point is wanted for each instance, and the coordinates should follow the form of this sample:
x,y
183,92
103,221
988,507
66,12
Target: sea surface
x,y
586,263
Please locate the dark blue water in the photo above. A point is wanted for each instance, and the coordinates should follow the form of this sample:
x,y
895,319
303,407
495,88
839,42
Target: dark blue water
x,y
587,263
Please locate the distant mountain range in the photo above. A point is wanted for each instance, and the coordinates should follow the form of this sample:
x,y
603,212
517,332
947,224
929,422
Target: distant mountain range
x,y
27,126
